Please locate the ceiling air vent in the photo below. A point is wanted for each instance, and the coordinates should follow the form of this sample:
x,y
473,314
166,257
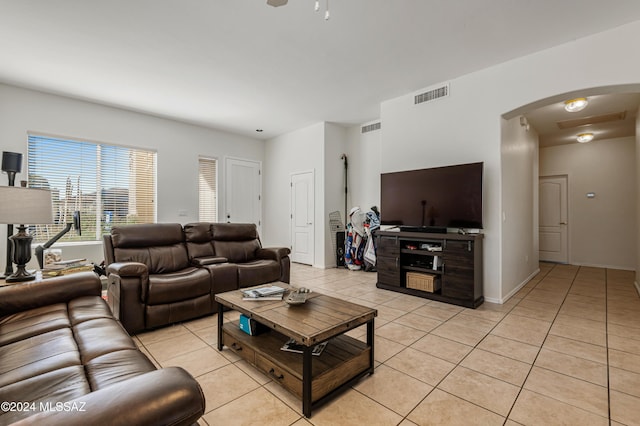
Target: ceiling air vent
x,y
371,127
432,95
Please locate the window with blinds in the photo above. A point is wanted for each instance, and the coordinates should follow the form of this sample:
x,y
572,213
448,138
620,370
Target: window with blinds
x,y
208,189
108,184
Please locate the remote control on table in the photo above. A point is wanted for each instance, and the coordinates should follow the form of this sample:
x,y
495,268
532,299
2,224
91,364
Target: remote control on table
x,y
298,297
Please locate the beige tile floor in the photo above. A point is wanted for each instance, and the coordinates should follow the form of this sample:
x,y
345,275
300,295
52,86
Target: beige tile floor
x,y
564,350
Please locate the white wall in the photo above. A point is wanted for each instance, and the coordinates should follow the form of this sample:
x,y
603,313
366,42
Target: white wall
x,y
638,202
317,147
363,151
601,229
298,151
520,204
463,128
334,146
178,146
466,126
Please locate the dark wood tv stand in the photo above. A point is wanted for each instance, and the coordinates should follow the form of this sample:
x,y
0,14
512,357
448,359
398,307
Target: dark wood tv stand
x,y
459,273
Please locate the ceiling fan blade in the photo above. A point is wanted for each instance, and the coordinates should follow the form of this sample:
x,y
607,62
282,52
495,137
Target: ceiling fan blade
x,y
276,3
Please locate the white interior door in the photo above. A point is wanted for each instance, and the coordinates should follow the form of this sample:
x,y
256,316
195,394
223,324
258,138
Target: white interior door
x,y
553,219
302,226
243,185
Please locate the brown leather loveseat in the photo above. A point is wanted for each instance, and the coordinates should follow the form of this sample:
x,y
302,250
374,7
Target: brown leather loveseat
x,y
163,273
65,360
237,247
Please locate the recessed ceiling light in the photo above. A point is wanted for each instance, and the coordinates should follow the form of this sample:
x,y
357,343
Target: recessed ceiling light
x,y
575,105
584,137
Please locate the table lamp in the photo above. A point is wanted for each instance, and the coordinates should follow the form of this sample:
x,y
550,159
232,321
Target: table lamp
x,y
11,164
24,206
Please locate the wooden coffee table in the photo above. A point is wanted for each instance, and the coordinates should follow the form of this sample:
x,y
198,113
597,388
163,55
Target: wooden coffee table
x,y
321,318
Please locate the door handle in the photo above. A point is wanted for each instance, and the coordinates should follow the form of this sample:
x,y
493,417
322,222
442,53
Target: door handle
x,y
309,223
563,223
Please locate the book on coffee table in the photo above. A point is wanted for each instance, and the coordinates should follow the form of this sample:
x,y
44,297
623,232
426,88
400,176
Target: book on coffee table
x,y
272,292
291,346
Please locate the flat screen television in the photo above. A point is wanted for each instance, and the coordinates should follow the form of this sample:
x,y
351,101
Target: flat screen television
x,y
433,199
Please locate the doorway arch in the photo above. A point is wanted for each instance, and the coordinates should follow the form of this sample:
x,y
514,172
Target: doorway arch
x,y
520,161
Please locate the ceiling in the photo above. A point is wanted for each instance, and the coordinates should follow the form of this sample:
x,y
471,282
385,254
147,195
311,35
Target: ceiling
x,y
241,65
607,116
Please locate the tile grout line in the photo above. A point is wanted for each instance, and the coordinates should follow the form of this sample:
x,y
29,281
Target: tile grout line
x,y
533,363
606,342
458,364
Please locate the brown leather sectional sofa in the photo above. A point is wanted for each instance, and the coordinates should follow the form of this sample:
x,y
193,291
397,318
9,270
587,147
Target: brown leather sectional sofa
x,y
65,360
164,273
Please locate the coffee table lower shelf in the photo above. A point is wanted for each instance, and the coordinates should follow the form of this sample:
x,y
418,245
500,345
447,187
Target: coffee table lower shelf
x,y
343,360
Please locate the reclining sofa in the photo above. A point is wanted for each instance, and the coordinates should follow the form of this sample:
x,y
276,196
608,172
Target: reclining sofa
x,y
165,273
65,360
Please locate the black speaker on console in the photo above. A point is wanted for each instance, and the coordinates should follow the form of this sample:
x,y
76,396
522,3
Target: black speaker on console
x,y
11,163
340,248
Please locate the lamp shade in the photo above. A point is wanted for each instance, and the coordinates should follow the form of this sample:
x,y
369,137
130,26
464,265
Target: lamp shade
x,y
28,206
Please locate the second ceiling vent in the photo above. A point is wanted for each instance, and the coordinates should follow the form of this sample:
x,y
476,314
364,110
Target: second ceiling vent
x,y
432,94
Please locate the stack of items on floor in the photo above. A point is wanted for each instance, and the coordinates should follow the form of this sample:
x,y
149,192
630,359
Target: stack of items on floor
x,y
360,250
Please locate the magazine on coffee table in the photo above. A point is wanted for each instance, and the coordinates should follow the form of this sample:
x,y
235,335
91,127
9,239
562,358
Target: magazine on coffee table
x,y
272,292
291,346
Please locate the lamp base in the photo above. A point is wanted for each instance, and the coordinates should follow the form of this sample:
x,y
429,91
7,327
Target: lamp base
x,y
20,275
21,255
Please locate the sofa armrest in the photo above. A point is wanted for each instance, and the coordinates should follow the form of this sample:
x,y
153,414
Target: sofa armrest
x,y
33,294
169,396
204,261
128,269
127,293
273,253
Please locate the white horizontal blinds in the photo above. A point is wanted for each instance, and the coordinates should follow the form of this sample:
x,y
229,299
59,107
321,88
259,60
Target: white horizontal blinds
x,y
107,184
127,186
208,189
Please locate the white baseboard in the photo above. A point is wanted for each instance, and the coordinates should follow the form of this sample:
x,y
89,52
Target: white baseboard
x,y
594,265
518,287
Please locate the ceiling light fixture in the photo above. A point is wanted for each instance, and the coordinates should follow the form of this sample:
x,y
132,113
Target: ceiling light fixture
x,y
575,105
327,15
326,9
584,137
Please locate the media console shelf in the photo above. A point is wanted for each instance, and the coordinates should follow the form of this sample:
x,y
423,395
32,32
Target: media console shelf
x,y
454,260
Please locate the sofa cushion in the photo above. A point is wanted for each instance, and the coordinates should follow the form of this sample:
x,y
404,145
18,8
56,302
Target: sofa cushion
x,y
100,336
159,259
146,234
160,246
64,384
114,367
258,272
224,277
177,286
237,251
87,308
25,324
198,239
234,232
37,355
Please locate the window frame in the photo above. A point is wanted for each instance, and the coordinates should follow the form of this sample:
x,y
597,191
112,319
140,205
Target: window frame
x,y
149,182
203,159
